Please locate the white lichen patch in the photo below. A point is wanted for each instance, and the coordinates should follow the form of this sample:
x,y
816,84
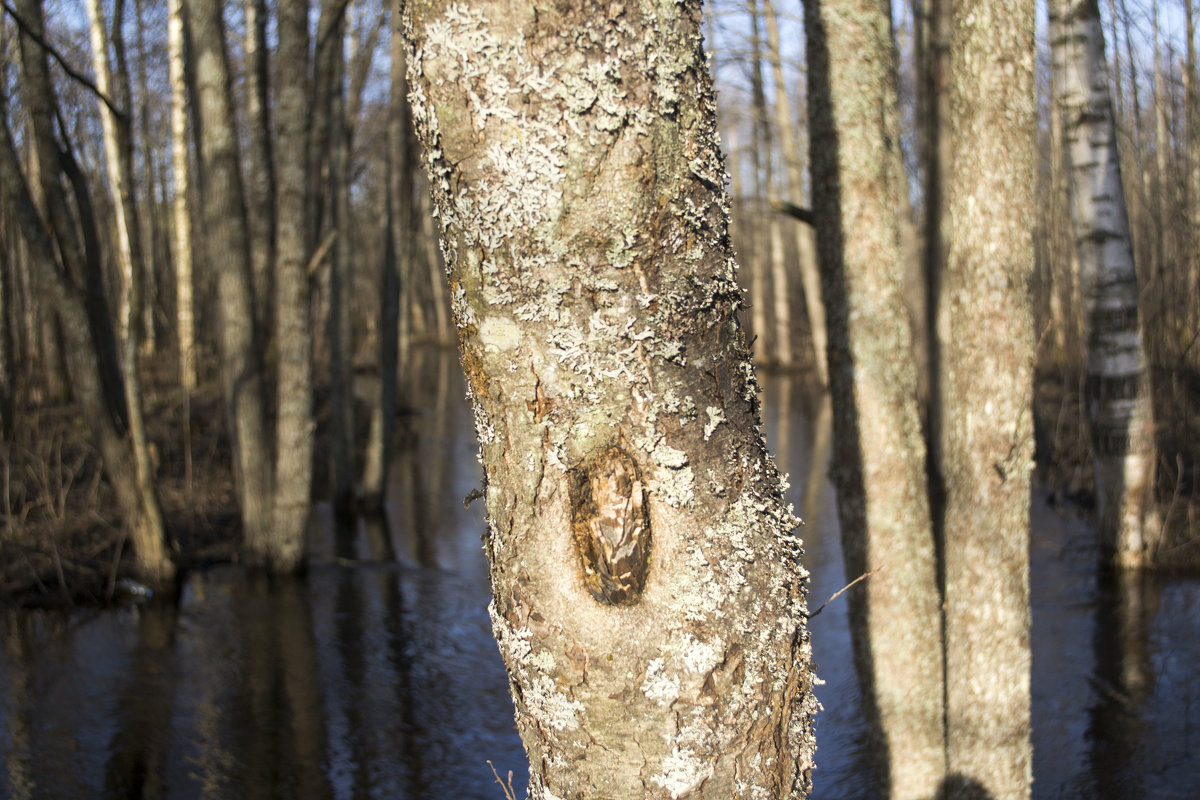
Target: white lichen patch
x,y
542,698
682,771
658,686
499,334
715,417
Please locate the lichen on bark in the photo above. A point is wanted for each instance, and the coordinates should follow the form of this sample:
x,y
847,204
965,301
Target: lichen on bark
x,y
575,169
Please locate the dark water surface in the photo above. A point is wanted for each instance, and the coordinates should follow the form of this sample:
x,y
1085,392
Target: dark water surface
x,y
378,677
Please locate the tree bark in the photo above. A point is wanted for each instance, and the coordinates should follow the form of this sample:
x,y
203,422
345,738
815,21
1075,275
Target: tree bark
x,y
395,269
987,430
1117,379
293,328
229,256
879,459
647,591
260,174
793,164
181,213
149,535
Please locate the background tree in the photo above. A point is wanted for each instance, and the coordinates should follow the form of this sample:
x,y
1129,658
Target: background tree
x,y
1118,383
878,464
987,417
646,584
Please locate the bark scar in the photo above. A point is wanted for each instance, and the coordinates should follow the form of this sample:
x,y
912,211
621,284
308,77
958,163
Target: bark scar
x,y
610,523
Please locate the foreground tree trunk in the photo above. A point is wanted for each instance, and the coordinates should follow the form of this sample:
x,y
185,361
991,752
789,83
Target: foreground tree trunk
x,y
648,596
1117,379
987,420
879,461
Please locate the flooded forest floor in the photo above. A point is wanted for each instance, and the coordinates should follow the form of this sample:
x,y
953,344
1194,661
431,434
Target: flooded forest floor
x,y
62,541
376,674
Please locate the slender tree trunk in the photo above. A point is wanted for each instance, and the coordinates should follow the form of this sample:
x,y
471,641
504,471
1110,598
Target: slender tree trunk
x,y
260,175
181,213
293,329
1117,379
987,422
85,370
395,270
879,461
793,188
73,230
229,255
148,535
647,595
341,281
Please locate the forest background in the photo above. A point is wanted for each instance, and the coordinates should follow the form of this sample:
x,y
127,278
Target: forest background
x,y
299,201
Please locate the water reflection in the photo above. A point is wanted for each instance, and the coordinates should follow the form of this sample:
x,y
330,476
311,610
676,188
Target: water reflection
x,y
377,675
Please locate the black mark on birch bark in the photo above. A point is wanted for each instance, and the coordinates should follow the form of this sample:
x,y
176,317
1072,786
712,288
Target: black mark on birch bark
x,y
611,526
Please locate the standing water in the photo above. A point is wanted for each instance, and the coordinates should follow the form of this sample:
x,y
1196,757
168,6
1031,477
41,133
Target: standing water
x,y
377,676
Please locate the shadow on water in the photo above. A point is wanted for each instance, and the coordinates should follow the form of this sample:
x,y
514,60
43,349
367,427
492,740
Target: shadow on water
x,y
377,676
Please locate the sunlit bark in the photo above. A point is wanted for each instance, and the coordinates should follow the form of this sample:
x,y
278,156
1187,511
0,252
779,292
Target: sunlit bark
x,y
793,190
1118,381
181,215
149,537
987,422
647,595
879,457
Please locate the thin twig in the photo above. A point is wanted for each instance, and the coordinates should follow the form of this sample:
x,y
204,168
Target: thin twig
x,y
509,793
838,593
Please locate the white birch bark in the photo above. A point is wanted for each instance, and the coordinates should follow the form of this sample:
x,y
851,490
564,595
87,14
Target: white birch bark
x,y
1118,382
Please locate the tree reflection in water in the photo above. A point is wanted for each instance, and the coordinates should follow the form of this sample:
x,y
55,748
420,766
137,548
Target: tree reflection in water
x,y
377,676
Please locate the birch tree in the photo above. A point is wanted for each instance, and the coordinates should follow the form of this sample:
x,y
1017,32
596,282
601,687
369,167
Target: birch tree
x,y
879,458
1118,385
647,593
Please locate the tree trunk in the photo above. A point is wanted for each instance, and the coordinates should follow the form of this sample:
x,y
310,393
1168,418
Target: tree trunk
x,y
293,329
149,536
987,422
1117,380
395,269
341,282
647,591
229,256
181,213
260,174
70,305
879,460
74,233
793,188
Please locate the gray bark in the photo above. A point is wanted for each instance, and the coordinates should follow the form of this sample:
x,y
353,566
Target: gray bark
x,y
228,251
260,174
986,426
647,591
1117,379
879,458
293,329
